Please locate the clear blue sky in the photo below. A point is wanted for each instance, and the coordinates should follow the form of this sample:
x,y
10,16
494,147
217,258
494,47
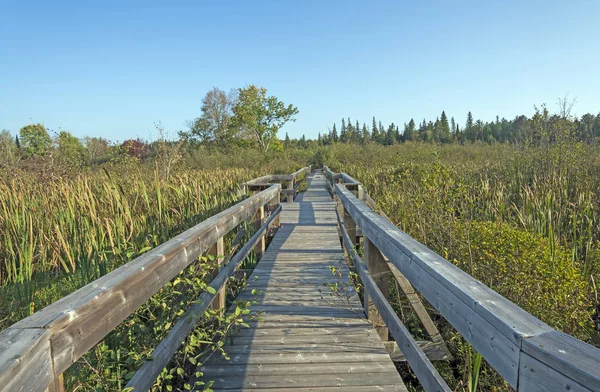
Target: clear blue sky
x,y
112,68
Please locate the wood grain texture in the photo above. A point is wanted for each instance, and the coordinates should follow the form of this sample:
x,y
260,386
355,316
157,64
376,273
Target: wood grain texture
x,y
566,359
25,360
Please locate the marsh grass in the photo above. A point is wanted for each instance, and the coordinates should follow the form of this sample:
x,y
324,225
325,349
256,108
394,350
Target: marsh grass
x,y
524,221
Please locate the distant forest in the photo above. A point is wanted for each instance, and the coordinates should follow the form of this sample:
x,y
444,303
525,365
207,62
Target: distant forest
x,y
540,129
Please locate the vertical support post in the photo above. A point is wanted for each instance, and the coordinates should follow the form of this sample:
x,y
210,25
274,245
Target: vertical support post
x,y
378,270
273,204
350,226
340,210
290,195
259,219
352,230
217,250
57,385
362,194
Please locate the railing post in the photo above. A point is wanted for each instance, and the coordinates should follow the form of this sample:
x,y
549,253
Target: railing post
x,y
379,271
290,195
350,226
273,204
362,193
217,250
57,385
259,219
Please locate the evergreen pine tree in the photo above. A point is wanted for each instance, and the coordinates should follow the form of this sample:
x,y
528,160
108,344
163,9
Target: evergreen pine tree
x,y
436,130
286,143
389,135
366,136
374,130
423,131
349,132
17,142
470,131
445,136
469,121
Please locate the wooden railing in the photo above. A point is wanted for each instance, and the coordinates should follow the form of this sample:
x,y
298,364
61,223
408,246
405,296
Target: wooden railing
x,y
291,182
35,351
526,352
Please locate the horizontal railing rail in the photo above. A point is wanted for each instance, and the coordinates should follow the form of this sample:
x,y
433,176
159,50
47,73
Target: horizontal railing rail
x,y
526,352
292,183
35,351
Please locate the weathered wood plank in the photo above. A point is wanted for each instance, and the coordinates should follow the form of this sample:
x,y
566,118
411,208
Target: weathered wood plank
x,y
349,388
294,357
305,369
307,339
302,381
297,331
537,376
565,358
25,360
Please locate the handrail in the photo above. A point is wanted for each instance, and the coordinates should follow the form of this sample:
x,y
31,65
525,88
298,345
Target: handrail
x,y
144,378
35,351
291,181
272,178
528,353
423,368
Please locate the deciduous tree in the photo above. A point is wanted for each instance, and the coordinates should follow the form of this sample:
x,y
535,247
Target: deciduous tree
x,y
9,153
260,114
35,140
70,149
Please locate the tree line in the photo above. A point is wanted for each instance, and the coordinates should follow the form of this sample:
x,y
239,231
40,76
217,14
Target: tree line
x,y
540,129
246,117
249,118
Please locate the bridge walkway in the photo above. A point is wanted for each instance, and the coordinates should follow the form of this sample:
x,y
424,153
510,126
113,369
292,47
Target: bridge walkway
x,y
311,336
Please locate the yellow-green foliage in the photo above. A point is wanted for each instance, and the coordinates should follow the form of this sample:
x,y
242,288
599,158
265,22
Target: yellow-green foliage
x,y
57,235
525,269
67,223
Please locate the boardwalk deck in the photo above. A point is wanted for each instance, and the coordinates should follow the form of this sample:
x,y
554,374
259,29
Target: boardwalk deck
x,y
306,339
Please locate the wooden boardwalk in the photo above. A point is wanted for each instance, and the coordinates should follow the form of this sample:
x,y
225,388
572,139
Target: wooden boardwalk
x,y
307,339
